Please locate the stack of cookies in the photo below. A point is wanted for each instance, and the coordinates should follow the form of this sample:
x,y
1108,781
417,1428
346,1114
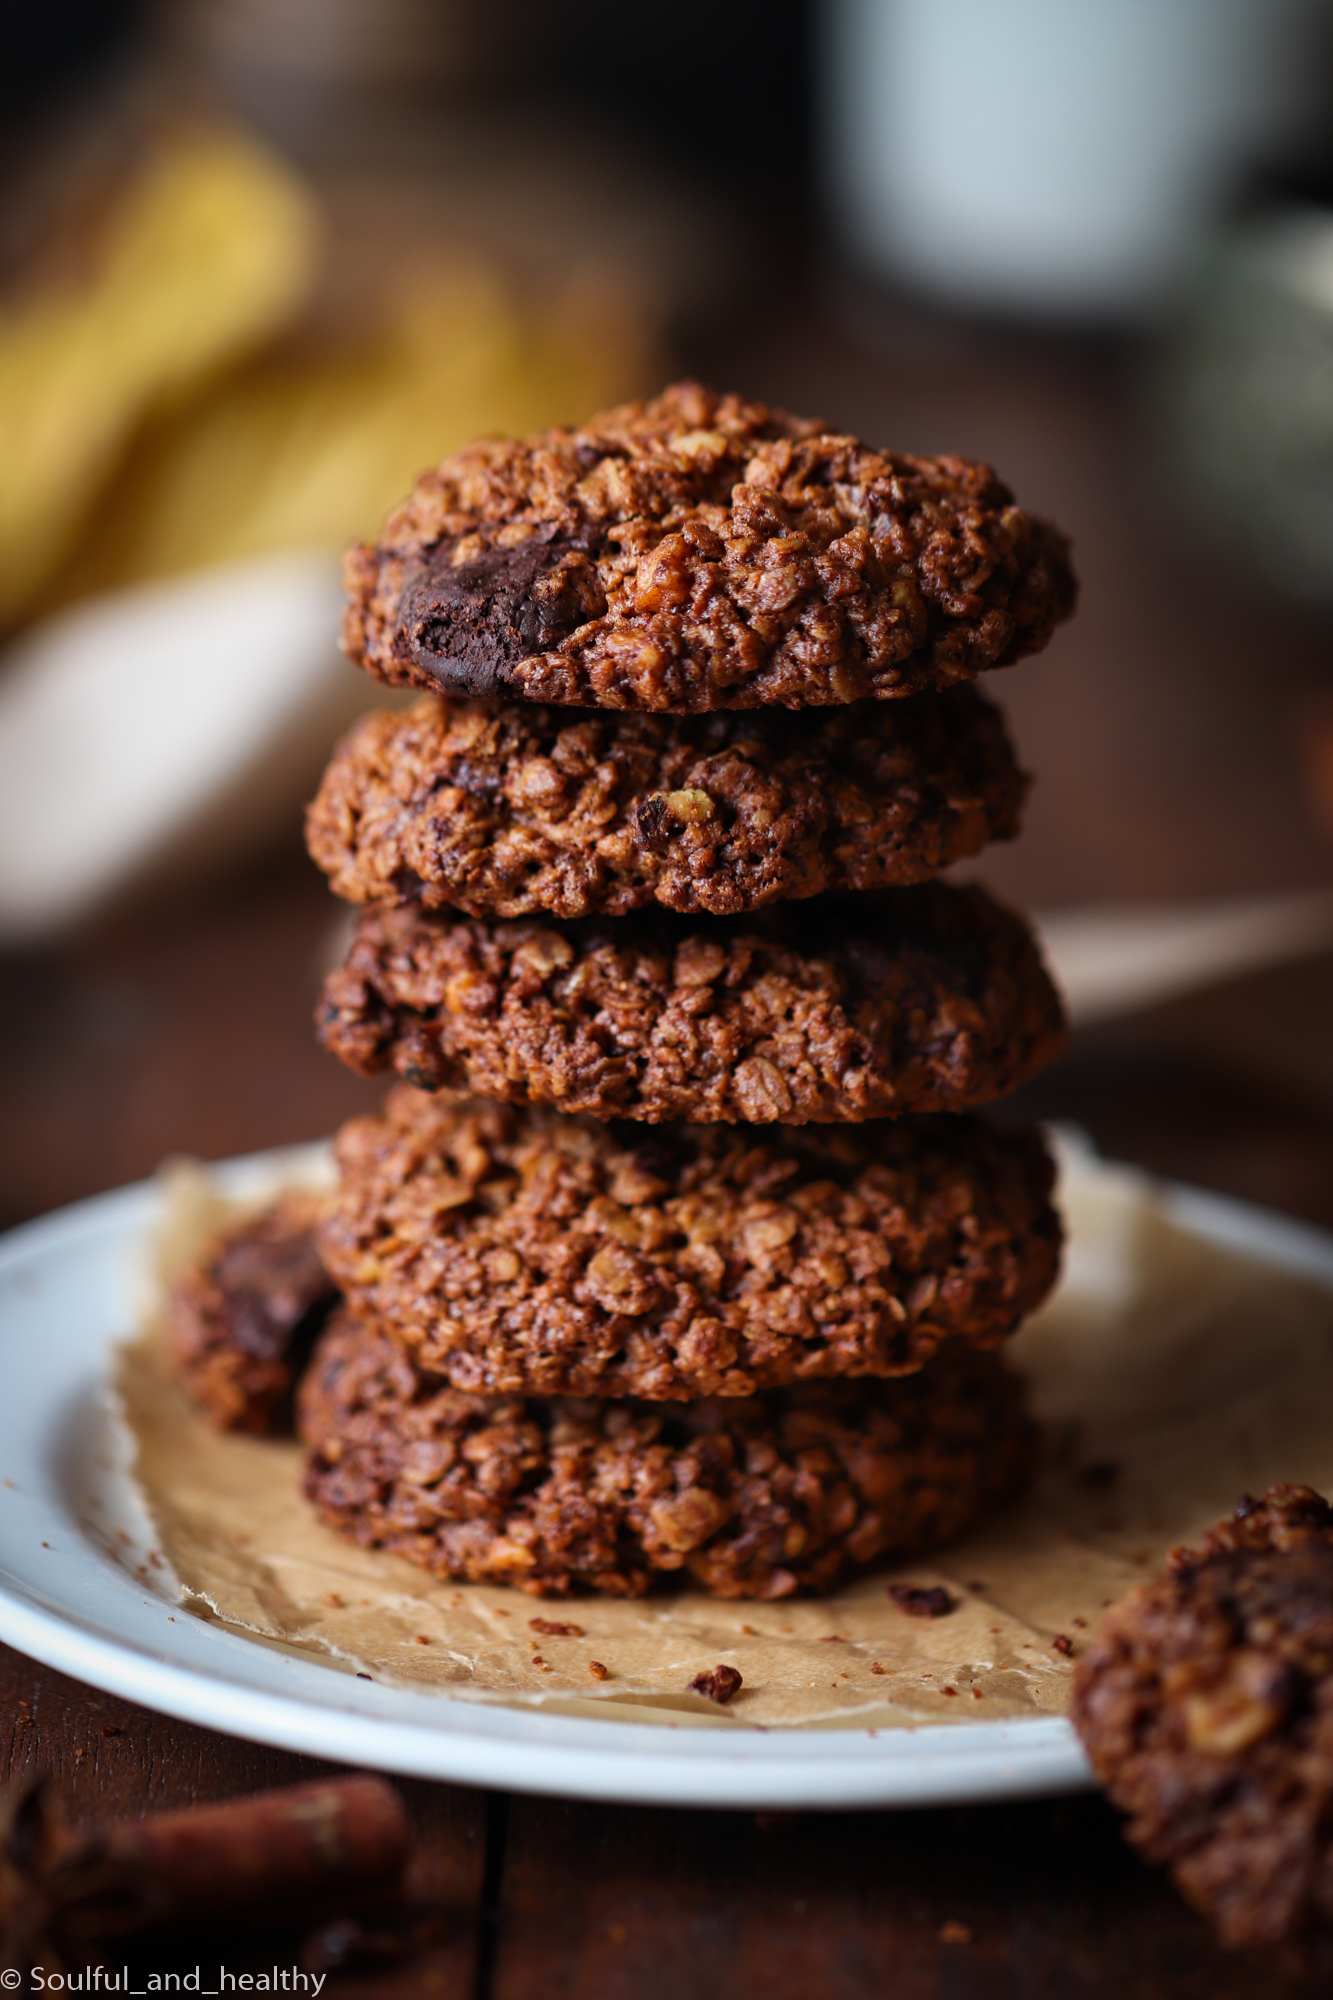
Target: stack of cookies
x,y
678,1247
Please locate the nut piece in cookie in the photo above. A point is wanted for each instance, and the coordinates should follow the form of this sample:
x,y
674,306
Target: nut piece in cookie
x,y
759,1496
519,810
517,1250
1205,1703
700,552
843,1008
241,1322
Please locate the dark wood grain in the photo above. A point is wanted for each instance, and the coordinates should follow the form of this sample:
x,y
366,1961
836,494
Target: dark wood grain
x,y
1007,1902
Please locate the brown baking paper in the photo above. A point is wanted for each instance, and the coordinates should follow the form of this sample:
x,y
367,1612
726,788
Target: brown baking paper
x,y
1169,1375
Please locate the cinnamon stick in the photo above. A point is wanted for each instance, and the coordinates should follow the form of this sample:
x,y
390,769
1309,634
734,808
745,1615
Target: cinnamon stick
x,y
291,1853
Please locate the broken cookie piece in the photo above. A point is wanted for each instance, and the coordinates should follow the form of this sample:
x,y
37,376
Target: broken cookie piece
x,y
241,1322
1205,1703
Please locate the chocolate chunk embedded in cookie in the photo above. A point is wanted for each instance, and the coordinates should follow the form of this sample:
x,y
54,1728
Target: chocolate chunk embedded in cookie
x,y
522,1251
241,1322
927,999
521,810
1205,1703
697,552
749,1497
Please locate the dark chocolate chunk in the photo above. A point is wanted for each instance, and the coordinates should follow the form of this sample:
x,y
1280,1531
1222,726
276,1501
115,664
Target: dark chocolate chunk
x,y
501,606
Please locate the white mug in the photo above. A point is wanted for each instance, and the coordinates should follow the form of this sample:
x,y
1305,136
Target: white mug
x,y
1054,157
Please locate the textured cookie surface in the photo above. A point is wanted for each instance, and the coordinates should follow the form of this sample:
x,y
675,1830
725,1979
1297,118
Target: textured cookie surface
x,y
522,810
699,552
523,1251
1205,1703
750,1496
926,999
241,1322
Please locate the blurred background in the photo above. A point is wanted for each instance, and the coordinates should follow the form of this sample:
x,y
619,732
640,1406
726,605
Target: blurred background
x,y
261,261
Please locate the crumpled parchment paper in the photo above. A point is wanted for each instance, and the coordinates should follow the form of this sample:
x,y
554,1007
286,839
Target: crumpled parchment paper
x,y
1170,1375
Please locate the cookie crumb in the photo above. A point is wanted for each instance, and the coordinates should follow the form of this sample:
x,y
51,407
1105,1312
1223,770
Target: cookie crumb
x,y
920,1601
719,1685
597,1670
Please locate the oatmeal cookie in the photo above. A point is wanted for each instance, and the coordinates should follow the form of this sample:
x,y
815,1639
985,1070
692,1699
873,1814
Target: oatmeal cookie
x,y
1205,1703
521,1251
241,1322
759,1496
698,552
521,810
926,999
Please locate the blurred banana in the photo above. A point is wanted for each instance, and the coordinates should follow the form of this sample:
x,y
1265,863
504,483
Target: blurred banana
x,y
207,253
309,450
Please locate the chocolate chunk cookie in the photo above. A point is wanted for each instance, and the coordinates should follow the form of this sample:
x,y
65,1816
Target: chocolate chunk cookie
x,y
519,1251
749,1497
699,552
241,1323
1205,1702
926,999
521,810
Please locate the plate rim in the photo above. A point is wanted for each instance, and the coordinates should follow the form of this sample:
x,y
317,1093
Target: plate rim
x,y
573,1758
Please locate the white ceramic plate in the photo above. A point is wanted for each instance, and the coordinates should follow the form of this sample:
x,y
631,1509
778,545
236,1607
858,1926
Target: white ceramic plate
x,y
79,1598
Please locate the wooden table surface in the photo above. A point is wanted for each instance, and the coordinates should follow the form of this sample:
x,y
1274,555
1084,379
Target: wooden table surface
x,y
1165,728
